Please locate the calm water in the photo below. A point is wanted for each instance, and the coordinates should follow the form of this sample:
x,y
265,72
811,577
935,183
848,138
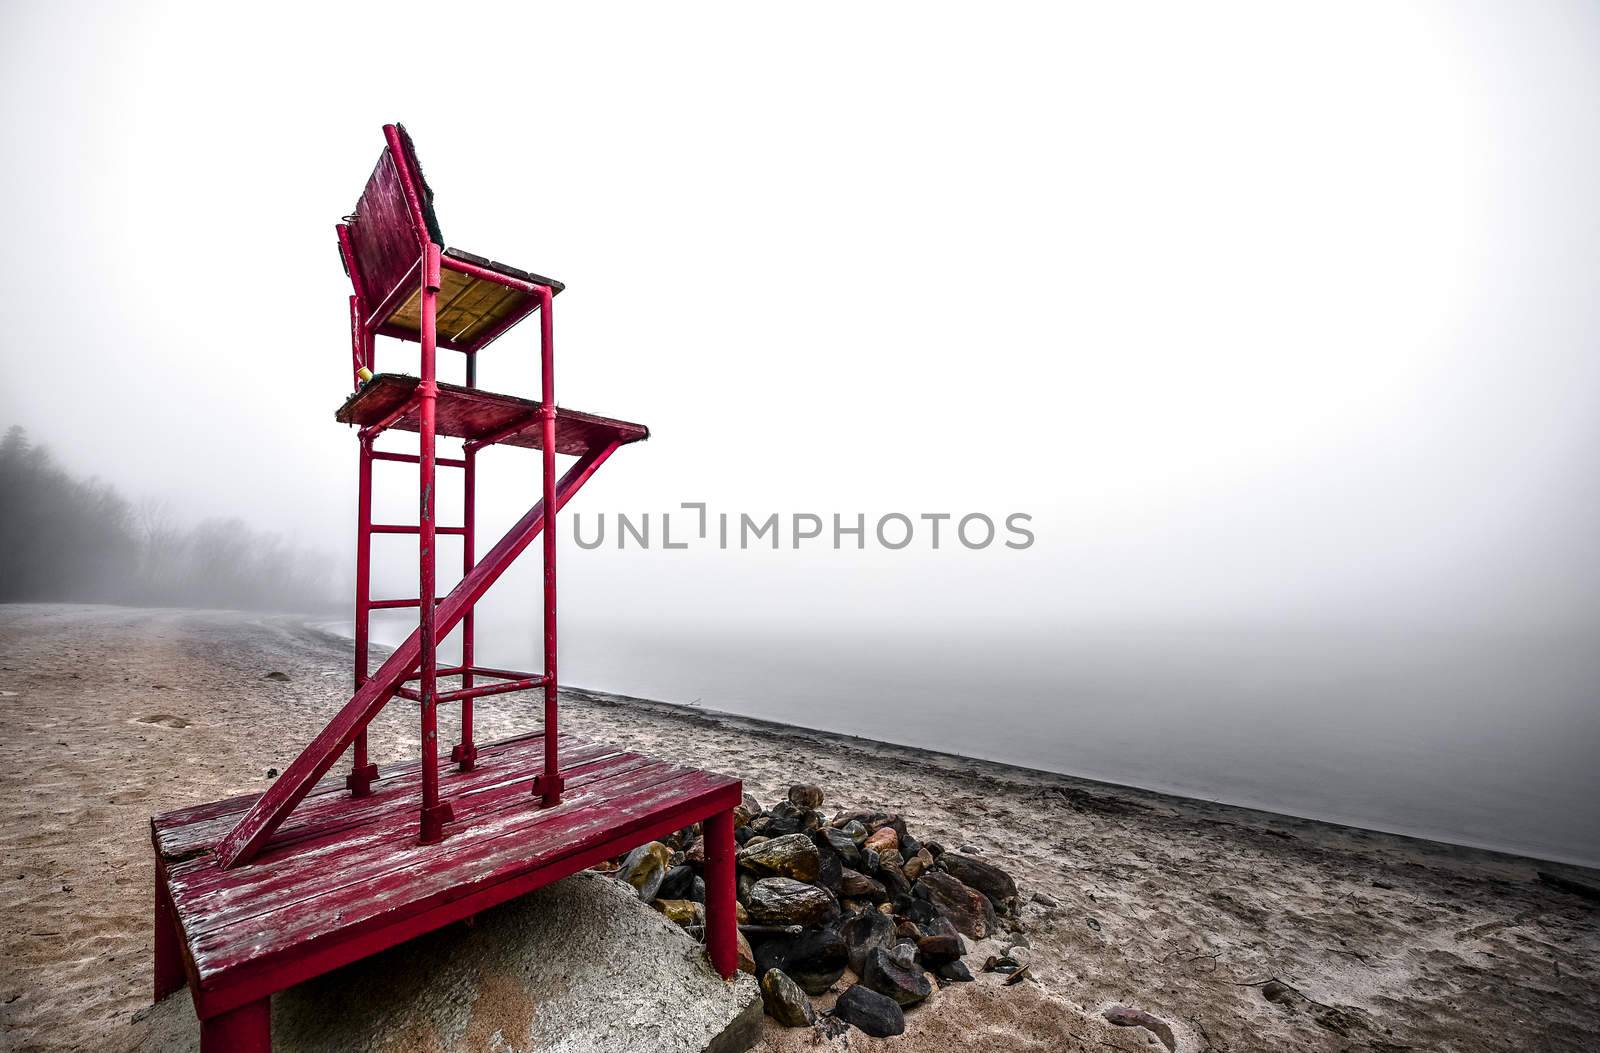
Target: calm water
x,y
1471,737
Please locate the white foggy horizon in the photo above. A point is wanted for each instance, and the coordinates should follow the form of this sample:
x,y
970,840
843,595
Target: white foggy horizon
x,y
1279,321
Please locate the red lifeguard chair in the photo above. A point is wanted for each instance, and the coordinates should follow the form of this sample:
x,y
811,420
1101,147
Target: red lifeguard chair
x,y
258,893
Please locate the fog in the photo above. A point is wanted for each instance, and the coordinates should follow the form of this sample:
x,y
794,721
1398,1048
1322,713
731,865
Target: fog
x,y
1279,323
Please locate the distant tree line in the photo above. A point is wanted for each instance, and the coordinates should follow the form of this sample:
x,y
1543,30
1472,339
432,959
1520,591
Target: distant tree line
x,y
64,539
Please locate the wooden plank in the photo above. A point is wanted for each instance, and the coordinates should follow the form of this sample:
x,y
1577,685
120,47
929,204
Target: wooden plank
x,y
438,877
303,864
468,413
321,814
179,831
265,975
216,898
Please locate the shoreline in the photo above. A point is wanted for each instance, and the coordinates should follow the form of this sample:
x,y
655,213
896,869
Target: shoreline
x,y
1178,907
323,629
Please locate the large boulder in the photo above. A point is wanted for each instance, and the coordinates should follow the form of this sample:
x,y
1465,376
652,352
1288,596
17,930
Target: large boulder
x,y
785,901
577,965
968,909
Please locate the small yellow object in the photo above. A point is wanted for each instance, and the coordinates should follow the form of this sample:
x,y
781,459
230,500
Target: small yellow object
x,y
364,374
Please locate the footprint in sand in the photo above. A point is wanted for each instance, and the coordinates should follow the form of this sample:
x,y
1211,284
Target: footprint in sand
x,y
164,720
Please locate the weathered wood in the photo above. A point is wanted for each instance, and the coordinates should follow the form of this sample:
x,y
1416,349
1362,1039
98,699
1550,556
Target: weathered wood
x,y
472,413
347,877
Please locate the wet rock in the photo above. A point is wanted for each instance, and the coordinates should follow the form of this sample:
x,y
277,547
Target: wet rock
x,y
917,864
985,877
830,867
905,930
955,971
909,846
741,834
784,1002
886,975
968,909
785,901
1122,1016
272,773
935,848
645,868
277,677
697,889
742,816
855,830
743,885
814,958
864,933
941,949
883,841
970,850
752,805
843,845
859,886
681,911
790,856
1044,900
877,1015
772,825
747,958
677,884
806,796
695,854
893,879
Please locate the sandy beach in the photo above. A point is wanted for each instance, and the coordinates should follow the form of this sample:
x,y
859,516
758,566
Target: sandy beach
x,y
1184,909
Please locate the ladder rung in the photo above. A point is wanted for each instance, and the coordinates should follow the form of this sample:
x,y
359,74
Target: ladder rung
x,y
455,670
504,674
411,458
407,528
386,605
492,689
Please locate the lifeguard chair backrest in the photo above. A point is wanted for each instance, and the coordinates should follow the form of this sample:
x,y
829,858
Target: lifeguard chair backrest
x,y
393,220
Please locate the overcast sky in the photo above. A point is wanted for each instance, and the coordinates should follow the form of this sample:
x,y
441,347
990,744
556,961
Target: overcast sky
x,y
1255,308
1267,314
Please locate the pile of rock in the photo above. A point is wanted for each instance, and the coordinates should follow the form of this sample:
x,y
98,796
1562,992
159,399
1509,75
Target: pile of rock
x,y
819,896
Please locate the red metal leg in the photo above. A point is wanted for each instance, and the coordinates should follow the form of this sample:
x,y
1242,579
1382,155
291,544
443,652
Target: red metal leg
x,y
435,813
362,771
722,923
247,1029
465,753
168,952
549,783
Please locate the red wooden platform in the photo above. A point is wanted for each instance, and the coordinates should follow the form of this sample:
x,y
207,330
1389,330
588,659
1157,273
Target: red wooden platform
x,y
344,877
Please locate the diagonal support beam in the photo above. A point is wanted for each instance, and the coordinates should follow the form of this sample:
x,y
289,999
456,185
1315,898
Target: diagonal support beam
x,y
273,807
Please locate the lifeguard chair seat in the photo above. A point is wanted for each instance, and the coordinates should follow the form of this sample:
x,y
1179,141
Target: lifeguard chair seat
x,y
382,241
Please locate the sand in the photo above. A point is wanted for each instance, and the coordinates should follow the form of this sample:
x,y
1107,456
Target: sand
x,y
1184,909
